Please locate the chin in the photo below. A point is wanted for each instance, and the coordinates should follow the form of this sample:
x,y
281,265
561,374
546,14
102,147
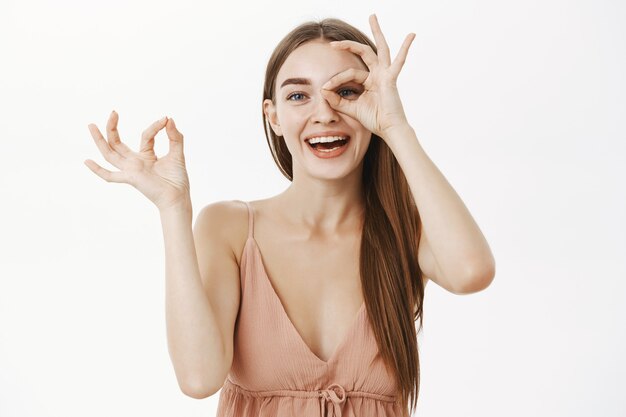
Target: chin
x,y
330,173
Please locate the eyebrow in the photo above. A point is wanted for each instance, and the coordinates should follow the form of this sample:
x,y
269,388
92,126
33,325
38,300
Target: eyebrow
x,y
304,81
300,81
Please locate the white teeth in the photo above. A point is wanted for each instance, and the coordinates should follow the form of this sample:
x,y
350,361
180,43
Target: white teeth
x,y
327,150
327,139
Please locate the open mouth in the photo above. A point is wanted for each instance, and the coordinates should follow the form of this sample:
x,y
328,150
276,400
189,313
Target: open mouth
x,y
328,143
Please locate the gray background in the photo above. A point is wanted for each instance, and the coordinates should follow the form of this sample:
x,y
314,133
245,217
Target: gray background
x,y
519,104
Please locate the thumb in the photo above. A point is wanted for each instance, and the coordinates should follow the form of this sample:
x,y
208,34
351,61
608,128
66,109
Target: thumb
x,y
339,103
176,138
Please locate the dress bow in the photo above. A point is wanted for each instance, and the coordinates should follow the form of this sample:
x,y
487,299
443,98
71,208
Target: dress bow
x,y
330,394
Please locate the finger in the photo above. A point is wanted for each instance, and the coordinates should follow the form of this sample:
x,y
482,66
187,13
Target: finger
x,y
105,174
111,156
114,137
366,52
398,63
381,43
352,74
339,103
147,137
176,138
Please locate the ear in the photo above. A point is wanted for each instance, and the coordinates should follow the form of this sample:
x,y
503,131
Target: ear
x,y
269,108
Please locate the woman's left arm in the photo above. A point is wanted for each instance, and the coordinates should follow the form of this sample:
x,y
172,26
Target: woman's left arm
x,y
452,251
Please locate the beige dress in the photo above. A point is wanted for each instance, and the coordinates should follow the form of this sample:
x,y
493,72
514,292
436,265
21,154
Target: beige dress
x,y
275,374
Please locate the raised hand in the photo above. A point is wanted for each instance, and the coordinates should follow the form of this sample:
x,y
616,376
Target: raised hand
x,y
378,108
163,180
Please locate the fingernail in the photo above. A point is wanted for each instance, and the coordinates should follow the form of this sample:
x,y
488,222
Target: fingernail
x,y
163,119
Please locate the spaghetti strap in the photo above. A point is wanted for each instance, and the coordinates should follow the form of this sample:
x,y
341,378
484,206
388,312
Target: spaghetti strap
x,y
275,373
250,219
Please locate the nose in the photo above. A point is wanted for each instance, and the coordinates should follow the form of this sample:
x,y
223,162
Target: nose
x,y
323,112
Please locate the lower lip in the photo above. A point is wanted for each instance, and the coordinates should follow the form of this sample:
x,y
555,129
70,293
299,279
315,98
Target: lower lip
x,y
329,154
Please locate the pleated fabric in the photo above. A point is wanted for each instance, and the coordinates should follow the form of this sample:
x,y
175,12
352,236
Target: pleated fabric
x,y
275,374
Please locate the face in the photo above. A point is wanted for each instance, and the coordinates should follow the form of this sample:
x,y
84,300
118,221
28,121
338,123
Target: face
x,y
300,112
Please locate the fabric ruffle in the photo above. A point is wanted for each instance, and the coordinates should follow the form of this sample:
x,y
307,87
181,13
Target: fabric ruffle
x,y
334,401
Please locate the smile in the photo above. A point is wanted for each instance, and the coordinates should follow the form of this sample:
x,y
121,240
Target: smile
x,y
328,146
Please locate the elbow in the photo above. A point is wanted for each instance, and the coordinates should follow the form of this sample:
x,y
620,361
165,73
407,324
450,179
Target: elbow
x,y
478,279
200,385
197,391
198,388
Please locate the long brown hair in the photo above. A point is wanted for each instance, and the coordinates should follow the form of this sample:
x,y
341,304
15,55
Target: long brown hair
x,y
391,279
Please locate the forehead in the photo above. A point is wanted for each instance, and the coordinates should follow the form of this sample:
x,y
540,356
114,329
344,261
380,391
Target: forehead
x,y
318,61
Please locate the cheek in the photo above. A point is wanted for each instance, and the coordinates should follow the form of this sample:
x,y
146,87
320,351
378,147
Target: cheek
x,y
285,114
292,120
366,141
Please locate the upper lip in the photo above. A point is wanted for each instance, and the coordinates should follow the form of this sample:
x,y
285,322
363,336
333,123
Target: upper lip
x,y
327,133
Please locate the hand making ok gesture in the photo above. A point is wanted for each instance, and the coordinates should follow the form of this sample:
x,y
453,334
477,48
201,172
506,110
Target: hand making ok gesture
x,y
163,180
378,108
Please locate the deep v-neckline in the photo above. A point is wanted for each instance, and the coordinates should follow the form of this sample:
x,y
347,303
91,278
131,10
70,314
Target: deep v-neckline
x,y
343,340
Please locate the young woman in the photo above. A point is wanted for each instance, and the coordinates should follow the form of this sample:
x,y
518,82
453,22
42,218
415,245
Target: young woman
x,y
305,303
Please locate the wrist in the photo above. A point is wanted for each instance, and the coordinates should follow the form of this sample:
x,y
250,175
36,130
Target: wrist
x,y
397,132
179,208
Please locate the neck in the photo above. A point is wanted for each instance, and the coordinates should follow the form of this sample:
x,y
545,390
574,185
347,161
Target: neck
x,y
324,208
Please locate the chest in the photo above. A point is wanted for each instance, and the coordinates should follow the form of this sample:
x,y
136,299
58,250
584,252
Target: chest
x,y
318,284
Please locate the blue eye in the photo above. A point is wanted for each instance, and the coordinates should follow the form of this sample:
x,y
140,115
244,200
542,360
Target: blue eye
x,y
300,96
349,90
289,97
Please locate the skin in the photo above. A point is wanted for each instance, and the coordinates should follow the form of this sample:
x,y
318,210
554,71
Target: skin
x,y
324,193
453,251
322,206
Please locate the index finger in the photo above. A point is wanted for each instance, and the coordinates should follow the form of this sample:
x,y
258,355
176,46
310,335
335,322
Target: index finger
x,y
147,137
364,51
351,74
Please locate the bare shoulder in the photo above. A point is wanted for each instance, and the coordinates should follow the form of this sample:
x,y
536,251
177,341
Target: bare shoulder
x,y
225,220
219,235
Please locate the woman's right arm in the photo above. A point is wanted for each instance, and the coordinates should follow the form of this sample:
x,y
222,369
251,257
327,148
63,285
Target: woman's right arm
x,y
201,270
202,297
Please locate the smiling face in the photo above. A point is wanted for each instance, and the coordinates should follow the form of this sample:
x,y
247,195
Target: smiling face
x,y
300,112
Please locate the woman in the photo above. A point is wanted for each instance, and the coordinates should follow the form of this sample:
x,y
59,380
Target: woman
x,y
349,245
